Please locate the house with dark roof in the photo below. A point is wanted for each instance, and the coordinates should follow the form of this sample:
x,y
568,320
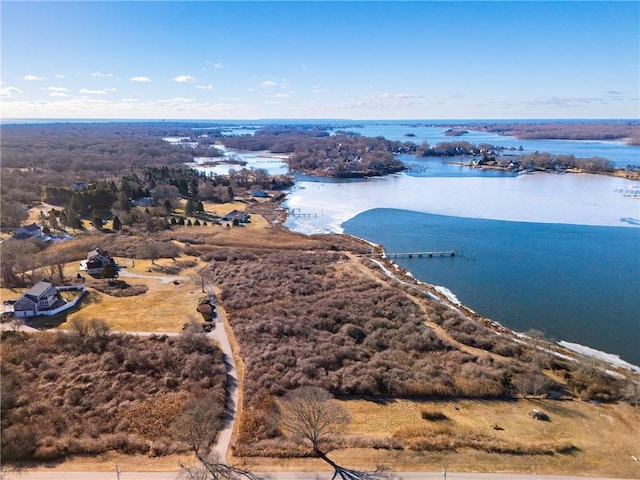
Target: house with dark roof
x,y
42,296
236,216
28,231
96,260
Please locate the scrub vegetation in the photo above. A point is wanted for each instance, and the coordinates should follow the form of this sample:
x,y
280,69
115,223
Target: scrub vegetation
x,y
306,313
90,391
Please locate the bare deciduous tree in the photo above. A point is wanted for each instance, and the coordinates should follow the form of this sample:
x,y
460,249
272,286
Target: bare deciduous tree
x,y
199,424
212,468
311,413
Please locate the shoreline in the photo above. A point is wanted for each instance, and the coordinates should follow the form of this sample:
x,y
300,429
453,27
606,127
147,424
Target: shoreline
x,y
446,296
617,173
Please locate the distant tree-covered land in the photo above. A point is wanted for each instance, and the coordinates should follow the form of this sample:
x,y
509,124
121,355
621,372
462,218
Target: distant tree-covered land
x,y
314,151
99,170
623,130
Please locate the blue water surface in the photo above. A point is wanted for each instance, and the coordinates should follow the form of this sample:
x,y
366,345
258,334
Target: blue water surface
x,y
576,283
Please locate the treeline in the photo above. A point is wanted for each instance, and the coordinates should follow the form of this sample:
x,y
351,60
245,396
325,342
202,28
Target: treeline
x,y
457,148
494,156
548,161
89,392
94,148
316,152
38,155
628,131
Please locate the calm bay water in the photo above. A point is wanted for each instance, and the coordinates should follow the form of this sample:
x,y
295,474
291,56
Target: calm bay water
x,y
576,283
558,253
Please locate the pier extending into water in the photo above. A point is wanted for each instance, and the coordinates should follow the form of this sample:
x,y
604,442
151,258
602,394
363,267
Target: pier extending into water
x,y
297,213
442,253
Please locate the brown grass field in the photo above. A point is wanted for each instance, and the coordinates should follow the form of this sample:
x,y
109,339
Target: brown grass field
x,y
604,436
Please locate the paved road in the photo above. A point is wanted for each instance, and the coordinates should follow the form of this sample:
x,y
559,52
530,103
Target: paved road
x,y
56,475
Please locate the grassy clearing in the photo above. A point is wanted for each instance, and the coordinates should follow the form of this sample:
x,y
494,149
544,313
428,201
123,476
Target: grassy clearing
x,y
605,435
165,307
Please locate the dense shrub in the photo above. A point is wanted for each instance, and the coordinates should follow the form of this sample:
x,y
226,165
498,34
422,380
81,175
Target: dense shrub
x,y
87,392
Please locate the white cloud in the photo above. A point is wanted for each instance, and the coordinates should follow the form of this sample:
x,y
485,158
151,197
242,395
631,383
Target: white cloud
x,y
140,78
205,87
185,79
57,91
32,77
268,83
383,96
59,75
99,74
216,64
92,107
10,92
86,91
177,100
282,95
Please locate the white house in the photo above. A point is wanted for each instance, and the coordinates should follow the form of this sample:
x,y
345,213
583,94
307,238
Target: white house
x,y
42,296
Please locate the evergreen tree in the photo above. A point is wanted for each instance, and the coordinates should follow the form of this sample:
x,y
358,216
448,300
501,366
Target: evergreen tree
x,y
117,224
190,209
73,219
96,219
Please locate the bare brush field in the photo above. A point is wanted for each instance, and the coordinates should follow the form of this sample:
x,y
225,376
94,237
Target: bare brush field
x,y
311,310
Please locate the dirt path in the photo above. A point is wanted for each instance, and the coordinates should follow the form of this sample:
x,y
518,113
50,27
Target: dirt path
x,y
163,278
219,334
422,304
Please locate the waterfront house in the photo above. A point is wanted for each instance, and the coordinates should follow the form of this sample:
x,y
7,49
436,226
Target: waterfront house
x,y
42,296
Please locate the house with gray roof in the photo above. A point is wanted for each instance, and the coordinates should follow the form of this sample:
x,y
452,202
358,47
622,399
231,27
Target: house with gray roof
x,y
41,297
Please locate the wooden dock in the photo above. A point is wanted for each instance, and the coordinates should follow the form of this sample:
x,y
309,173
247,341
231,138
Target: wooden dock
x,y
443,253
297,213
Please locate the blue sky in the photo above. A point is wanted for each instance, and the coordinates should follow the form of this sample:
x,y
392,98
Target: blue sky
x,y
352,60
